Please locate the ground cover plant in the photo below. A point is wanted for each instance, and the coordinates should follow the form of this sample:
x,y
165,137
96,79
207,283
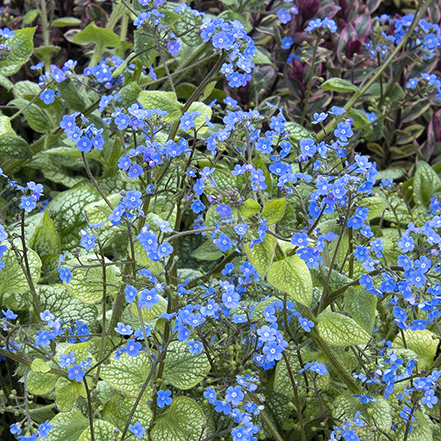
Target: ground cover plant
x,y
220,220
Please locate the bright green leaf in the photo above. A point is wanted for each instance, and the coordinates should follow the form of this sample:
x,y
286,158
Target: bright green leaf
x,y
87,283
339,85
183,421
30,16
57,299
376,413
71,96
207,251
426,182
249,208
67,392
361,306
142,43
118,409
340,330
102,431
291,275
297,132
38,365
205,111
273,210
152,313
101,36
162,100
66,21
66,210
21,50
67,426
423,343
14,147
127,374
41,383
261,255
12,279
376,205
183,369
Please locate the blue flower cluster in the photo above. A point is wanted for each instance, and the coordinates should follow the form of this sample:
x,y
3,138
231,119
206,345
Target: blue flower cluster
x,y
232,38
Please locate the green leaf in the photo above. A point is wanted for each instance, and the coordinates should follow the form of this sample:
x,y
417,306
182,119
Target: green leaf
x,y
376,413
66,210
423,343
67,392
117,412
70,94
12,279
101,36
376,205
339,330
21,50
67,426
103,431
144,260
141,43
61,304
257,313
396,94
291,275
129,93
25,89
46,242
162,100
261,255
426,183
14,147
184,421
66,21
41,383
208,89
127,374
207,251
5,126
360,118
30,16
36,117
361,306
7,84
339,85
152,313
87,283
80,350
183,369
205,111
249,208
297,132
261,57
273,210
38,365
390,173
421,430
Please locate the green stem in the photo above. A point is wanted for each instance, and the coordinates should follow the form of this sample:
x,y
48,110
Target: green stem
x,y
45,31
418,15
311,77
272,428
